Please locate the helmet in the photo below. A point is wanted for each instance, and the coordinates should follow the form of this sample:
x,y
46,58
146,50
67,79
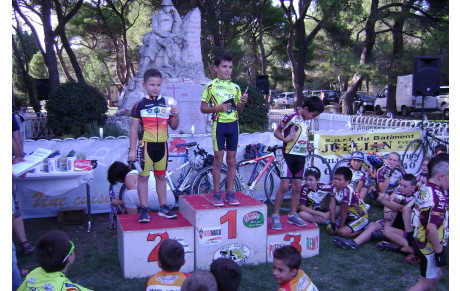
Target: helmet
x,y
357,156
376,162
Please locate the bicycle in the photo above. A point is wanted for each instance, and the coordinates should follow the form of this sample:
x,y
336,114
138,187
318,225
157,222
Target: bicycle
x,y
419,148
249,172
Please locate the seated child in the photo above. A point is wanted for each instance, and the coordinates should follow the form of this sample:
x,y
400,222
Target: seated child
x,y
422,176
227,274
353,213
200,281
312,195
54,253
287,272
171,257
121,173
388,176
359,176
392,219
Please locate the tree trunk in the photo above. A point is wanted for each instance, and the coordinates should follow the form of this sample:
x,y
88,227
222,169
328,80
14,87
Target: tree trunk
x,y
27,79
347,105
72,57
50,54
62,62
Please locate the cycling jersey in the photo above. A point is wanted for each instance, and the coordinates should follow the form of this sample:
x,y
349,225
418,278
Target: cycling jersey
x,y
430,206
358,176
301,282
166,281
294,124
312,199
40,280
220,91
154,117
347,196
395,176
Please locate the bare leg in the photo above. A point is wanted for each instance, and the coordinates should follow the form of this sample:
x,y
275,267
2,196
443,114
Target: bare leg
x,y
161,189
231,169
218,161
18,228
313,218
423,284
142,189
284,185
296,183
365,236
397,236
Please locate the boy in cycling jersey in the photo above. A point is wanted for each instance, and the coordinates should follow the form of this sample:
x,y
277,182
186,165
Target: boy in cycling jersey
x,y
225,101
293,131
149,124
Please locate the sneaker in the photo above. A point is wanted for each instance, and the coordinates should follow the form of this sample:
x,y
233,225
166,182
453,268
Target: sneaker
x,y
413,259
343,243
295,219
217,199
165,211
27,248
230,198
276,223
378,235
144,216
388,246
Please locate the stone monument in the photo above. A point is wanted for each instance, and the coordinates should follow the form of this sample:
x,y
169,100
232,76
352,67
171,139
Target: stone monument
x,y
172,47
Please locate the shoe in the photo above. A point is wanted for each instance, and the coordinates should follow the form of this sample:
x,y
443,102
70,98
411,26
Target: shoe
x,y
230,198
378,235
343,243
388,246
217,199
144,216
27,248
295,219
276,223
165,211
413,259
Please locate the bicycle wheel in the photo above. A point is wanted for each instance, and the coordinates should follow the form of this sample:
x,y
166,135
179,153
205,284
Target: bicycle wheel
x,y
273,178
341,163
413,156
202,182
318,161
247,172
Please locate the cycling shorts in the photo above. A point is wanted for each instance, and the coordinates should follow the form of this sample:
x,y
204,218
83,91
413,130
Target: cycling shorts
x,y
398,223
152,153
292,166
225,134
357,224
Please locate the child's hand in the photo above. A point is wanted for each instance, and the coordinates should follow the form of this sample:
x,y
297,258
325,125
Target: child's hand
x,y
331,229
132,155
244,98
175,110
224,107
289,138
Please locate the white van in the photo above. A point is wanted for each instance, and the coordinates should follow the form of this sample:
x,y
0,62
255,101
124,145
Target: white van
x,y
405,102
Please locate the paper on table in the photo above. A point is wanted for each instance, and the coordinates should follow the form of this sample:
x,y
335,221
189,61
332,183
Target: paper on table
x,y
30,161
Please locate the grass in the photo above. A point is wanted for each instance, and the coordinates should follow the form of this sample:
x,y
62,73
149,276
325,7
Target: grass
x,y
97,267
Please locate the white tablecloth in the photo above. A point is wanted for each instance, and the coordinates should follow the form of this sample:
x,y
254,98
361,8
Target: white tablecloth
x,y
54,183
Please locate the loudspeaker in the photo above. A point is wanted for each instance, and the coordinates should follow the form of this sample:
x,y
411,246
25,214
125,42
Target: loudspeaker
x,y
426,76
43,89
262,83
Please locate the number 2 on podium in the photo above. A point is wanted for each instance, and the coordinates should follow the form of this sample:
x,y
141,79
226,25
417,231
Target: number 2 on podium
x,y
231,218
153,256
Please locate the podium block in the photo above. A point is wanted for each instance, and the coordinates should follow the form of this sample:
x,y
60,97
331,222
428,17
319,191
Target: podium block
x,y
139,243
305,239
236,232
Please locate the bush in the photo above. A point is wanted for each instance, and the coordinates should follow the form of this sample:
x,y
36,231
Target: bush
x,y
74,105
254,117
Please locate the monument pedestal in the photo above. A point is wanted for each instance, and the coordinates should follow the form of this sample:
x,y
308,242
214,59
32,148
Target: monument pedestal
x,y
236,232
139,243
305,239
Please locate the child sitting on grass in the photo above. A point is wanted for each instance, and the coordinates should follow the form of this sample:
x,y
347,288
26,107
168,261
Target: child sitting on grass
x,y
227,274
171,257
353,213
54,253
359,176
287,272
312,195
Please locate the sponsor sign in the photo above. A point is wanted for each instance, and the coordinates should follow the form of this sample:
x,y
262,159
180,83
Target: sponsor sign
x,y
210,236
253,219
239,253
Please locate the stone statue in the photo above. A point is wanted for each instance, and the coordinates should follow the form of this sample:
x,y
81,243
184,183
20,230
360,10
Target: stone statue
x,y
162,46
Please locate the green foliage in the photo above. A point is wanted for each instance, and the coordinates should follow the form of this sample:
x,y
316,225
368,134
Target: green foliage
x,y
73,105
26,52
37,67
254,117
109,129
96,73
21,99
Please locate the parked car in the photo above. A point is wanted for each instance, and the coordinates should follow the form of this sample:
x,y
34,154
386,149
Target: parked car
x,y
443,97
445,111
285,100
362,98
328,96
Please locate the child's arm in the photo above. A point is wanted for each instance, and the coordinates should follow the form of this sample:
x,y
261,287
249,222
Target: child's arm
x,y
204,107
433,237
244,99
281,137
133,140
332,204
174,121
343,215
359,186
